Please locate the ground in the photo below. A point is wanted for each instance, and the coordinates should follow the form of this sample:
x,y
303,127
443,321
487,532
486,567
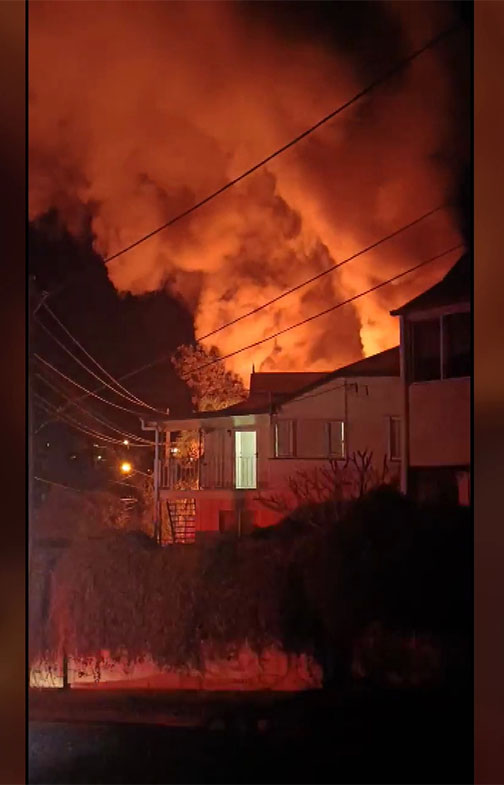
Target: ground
x,y
311,737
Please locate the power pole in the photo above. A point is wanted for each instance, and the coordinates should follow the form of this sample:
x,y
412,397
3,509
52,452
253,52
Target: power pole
x,y
157,522
34,299
157,465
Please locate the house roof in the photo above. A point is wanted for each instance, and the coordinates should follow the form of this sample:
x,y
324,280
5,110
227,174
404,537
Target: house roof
x,y
281,390
268,388
282,382
386,363
454,288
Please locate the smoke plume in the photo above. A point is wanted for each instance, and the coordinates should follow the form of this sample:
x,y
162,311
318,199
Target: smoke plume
x,y
139,109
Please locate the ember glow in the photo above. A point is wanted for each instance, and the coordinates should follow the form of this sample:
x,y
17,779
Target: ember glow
x,y
138,110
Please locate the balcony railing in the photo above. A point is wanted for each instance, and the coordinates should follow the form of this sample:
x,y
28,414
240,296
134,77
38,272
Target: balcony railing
x,y
208,473
180,476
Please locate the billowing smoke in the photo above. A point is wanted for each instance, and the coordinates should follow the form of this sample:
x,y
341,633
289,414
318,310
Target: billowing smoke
x,y
139,109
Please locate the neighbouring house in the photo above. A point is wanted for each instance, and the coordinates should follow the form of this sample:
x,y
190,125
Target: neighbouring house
x,y
246,454
436,368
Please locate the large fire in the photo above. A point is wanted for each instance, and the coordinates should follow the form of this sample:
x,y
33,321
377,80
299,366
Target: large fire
x,y
137,110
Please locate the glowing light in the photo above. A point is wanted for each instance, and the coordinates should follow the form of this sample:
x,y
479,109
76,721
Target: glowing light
x,y
126,467
126,442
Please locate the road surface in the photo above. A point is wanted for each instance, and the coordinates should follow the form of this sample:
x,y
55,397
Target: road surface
x,y
304,740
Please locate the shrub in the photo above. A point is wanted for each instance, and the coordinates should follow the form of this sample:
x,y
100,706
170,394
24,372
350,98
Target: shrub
x,y
386,565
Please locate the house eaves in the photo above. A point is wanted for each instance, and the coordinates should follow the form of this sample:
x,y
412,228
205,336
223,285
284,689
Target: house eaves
x,y
453,289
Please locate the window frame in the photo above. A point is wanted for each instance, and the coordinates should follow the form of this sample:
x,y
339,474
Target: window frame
x,y
438,316
331,454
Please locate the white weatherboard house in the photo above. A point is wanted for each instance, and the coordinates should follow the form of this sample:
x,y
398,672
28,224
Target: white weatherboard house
x,y
290,422
436,370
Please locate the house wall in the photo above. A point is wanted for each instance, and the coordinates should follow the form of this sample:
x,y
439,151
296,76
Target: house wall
x,y
440,423
209,505
365,405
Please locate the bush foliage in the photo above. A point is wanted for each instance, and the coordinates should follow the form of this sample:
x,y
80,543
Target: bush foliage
x,y
312,589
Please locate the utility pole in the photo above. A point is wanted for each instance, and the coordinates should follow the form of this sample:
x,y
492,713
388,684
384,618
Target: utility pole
x,y
157,522
157,465
34,300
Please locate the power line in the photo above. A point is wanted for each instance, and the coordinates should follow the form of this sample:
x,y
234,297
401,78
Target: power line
x,y
58,484
81,387
74,423
391,72
376,83
104,422
83,365
301,285
380,80
328,310
330,269
78,426
125,392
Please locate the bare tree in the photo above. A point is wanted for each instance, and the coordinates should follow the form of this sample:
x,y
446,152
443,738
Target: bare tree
x,y
336,482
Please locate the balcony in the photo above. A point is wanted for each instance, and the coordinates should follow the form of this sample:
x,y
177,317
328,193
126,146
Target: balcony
x,y
209,473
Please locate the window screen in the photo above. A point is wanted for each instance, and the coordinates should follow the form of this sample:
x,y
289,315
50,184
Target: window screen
x,y
284,439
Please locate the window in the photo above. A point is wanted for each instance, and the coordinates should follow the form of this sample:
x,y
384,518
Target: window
x,y
394,438
441,347
456,345
284,439
311,439
426,350
245,459
336,439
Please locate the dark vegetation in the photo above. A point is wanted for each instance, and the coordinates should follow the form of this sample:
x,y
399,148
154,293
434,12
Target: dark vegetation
x,y
381,592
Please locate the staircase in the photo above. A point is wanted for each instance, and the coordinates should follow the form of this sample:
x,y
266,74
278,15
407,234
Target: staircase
x,y
181,521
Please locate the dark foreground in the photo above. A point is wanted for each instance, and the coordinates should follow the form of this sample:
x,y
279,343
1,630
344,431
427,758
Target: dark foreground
x,y
310,738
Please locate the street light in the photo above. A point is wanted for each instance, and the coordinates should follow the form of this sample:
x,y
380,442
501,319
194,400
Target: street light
x,y
126,467
126,442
